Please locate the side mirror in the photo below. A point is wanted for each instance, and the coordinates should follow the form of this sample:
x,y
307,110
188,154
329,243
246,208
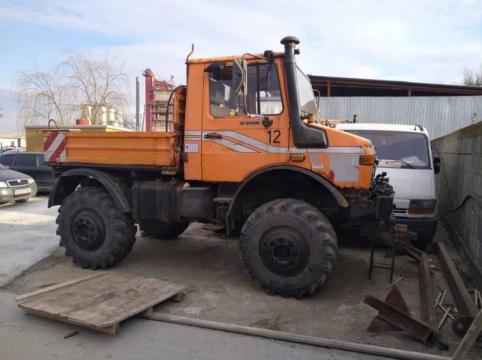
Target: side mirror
x,y
240,77
436,164
215,67
317,95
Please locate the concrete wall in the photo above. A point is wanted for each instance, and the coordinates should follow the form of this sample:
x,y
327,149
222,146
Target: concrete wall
x,y
461,176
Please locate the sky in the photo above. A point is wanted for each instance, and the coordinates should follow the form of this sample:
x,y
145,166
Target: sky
x,y
424,40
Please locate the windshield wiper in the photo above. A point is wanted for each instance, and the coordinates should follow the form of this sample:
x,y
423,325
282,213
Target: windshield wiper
x,y
407,164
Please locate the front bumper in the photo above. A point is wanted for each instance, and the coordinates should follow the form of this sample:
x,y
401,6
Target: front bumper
x,y
8,194
424,227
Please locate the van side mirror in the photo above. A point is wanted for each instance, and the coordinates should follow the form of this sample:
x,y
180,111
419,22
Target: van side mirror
x,y
436,164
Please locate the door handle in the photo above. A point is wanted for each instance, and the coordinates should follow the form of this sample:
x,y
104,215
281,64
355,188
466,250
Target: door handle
x,y
212,136
267,122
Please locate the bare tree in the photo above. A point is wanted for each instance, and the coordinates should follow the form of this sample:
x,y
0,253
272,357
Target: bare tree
x,y
473,77
59,94
100,83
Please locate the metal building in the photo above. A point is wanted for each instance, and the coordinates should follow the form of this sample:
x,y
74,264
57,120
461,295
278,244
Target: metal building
x,y
441,109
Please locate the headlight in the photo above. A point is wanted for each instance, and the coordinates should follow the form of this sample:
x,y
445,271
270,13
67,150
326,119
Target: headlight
x,y
3,184
30,180
422,207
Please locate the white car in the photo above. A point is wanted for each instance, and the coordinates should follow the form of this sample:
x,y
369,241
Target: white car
x,y
404,153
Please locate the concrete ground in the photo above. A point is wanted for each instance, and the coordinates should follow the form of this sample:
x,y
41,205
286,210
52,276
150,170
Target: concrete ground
x,y
22,244
217,289
25,337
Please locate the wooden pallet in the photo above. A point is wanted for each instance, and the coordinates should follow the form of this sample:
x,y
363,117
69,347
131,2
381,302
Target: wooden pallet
x,y
99,302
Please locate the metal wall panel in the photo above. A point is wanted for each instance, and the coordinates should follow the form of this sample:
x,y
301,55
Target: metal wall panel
x,y
441,115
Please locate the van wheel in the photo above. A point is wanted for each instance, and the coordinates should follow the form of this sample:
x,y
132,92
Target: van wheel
x,y
162,230
93,231
288,247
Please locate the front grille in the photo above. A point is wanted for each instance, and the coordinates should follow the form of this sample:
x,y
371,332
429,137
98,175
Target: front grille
x,y
17,182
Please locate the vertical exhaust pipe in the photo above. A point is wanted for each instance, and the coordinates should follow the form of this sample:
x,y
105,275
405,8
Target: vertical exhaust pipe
x,y
303,136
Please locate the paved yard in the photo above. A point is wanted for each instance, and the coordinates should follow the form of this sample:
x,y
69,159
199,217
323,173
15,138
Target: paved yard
x,y
25,337
217,289
27,235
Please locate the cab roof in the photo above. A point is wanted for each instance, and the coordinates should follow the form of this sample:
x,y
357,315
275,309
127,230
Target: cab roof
x,y
230,58
382,127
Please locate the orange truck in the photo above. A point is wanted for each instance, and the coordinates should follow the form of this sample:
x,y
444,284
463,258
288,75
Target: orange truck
x,y
247,151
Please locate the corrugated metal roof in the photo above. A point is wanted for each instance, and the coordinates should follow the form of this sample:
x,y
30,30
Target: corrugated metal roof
x,y
441,115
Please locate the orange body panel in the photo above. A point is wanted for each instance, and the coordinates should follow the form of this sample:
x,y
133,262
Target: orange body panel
x,y
117,148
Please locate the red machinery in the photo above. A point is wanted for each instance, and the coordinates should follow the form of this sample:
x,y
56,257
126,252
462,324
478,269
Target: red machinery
x,y
157,110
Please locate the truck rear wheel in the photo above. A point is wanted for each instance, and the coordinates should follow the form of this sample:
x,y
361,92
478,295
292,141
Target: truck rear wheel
x,y
288,247
162,230
93,231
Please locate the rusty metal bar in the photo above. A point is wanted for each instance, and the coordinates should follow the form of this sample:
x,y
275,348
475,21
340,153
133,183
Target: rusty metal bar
x,y
383,352
466,309
474,332
425,291
416,328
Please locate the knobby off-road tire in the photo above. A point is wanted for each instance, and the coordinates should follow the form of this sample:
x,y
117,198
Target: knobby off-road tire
x,y
288,247
93,231
163,231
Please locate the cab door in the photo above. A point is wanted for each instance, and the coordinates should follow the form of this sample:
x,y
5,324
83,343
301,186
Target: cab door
x,y
240,137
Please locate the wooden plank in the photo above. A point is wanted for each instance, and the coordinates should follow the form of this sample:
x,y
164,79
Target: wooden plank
x,y
68,299
54,287
99,302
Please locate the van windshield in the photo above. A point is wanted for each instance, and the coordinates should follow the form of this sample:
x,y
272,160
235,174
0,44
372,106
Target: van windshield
x,y
398,149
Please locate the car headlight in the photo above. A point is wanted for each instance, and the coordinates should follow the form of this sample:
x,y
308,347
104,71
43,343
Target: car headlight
x,y
422,207
3,184
30,181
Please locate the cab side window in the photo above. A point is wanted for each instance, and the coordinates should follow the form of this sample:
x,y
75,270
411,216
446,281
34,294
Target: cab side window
x,y
220,93
263,95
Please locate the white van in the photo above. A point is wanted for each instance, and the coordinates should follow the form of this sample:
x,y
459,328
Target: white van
x,y
404,153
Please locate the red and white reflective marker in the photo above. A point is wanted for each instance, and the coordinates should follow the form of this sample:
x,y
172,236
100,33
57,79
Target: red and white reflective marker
x,y
54,147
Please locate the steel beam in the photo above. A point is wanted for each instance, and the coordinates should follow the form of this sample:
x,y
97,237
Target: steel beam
x,y
416,328
425,291
466,309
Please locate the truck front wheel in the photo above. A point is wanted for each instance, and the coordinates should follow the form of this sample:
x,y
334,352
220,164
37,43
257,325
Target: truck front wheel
x,y
162,230
93,231
288,247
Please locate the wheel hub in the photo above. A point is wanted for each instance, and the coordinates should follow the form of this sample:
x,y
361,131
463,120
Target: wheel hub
x,y
88,230
284,251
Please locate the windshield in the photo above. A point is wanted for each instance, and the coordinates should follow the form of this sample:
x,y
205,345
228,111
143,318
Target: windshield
x,y
398,149
305,93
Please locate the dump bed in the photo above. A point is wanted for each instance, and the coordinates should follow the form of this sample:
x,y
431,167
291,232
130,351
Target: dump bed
x,y
156,149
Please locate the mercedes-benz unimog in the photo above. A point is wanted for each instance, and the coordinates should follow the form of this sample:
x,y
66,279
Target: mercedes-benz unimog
x,y
245,151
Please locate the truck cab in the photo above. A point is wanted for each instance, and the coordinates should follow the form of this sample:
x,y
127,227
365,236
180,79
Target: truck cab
x,y
404,153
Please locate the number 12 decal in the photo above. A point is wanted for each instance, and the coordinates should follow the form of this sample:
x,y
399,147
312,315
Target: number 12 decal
x,y
273,136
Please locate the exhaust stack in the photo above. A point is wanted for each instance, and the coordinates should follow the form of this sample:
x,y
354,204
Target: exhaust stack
x,y
303,136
